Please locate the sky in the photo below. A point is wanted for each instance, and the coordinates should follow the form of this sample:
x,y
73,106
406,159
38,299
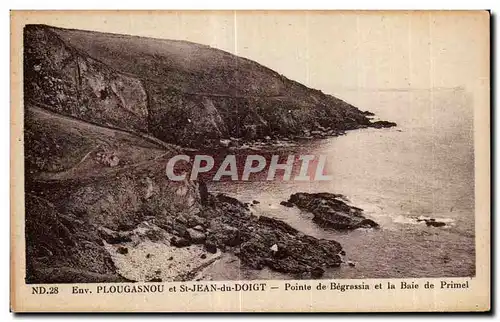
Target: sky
x,y
331,51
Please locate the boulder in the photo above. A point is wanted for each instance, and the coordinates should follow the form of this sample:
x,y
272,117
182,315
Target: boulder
x,y
224,234
195,236
195,220
179,242
180,229
122,250
181,220
199,228
210,247
317,272
113,237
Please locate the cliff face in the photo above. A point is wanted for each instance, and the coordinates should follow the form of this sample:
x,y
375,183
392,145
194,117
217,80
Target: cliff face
x,y
180,92
74,84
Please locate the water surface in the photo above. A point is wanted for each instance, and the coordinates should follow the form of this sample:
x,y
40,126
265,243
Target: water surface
x,y
424,168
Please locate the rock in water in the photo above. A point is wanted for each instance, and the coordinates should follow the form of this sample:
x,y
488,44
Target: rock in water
x,y
382,124
330,211
435,223
367,223
432,222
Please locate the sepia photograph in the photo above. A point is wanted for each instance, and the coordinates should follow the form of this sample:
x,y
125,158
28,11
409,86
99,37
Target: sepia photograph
x,y
251,147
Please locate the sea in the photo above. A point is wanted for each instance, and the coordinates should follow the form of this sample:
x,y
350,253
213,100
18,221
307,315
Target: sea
x,y
421,169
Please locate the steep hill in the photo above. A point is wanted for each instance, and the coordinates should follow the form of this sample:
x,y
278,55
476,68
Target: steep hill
x,y
180,92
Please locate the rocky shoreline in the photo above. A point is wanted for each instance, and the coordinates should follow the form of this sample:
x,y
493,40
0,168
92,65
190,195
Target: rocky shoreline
x,y
227,226
289,140
173,248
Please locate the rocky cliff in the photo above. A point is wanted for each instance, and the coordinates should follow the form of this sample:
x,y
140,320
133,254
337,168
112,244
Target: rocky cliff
x,y
180,92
